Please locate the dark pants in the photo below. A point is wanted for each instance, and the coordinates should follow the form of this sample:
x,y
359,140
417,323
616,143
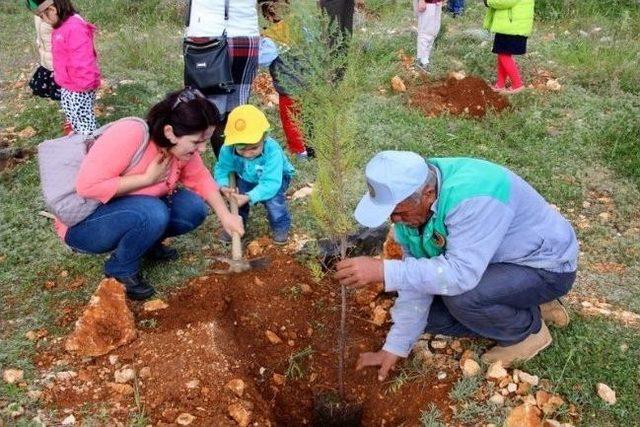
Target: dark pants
x,y
456,6
130,226
503,307
342,10
277,211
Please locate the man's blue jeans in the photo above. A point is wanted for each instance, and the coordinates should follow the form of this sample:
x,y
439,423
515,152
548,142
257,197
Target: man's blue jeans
x,y
503,307
456,6
131,225
277,211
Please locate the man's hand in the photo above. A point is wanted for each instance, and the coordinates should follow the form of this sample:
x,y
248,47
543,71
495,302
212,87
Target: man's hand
x,y
421,6
381,358
360,271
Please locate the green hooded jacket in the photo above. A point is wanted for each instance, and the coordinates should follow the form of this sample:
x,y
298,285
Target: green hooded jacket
x,y
513,17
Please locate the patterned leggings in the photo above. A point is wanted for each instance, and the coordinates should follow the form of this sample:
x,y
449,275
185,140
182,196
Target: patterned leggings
x,y
78,107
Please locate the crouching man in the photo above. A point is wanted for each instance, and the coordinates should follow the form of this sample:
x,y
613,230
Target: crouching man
x,y
485,256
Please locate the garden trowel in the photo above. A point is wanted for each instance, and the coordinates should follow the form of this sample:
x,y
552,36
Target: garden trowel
x,y
237,264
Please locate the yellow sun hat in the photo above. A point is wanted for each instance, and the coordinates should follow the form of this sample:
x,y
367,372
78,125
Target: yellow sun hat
x,y
246,125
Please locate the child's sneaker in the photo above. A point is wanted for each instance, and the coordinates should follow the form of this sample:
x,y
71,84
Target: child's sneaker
x,y
281,237
513,91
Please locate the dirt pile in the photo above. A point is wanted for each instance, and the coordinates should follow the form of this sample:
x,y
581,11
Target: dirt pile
x,y
261,347
105,325
222,328
469,96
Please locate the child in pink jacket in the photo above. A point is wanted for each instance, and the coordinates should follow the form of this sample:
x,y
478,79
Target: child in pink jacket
x,y
75,63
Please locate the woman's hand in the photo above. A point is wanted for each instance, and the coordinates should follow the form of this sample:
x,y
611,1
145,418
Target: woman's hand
x,y
158,169
232,224
227,192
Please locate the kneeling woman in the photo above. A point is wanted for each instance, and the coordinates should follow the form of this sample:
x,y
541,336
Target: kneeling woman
x,y
165,194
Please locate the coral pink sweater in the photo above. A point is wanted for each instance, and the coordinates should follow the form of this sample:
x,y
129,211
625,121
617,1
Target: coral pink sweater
x,y
111,154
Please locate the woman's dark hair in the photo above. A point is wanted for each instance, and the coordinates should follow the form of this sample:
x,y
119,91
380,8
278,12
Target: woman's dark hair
x,y
187,111
64,8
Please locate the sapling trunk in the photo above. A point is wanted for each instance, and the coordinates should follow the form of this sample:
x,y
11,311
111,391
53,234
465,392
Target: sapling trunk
x,y
342,337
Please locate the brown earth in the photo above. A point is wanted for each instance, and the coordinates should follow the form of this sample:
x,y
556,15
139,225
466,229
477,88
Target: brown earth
x,y
215,330
470,96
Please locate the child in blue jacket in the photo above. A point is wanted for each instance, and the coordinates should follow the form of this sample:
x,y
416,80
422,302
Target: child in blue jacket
x,y
262,169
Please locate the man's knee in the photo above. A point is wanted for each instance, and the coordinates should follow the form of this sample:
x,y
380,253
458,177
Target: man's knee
x,y
464,303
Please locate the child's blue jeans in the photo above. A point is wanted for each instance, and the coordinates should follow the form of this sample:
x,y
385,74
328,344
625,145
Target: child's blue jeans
x,y
277,211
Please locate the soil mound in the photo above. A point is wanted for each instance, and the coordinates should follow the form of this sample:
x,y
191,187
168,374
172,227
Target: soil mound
x,y
470,96
273,329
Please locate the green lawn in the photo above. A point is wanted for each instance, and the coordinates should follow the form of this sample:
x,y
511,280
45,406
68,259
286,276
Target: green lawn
x,y
579,147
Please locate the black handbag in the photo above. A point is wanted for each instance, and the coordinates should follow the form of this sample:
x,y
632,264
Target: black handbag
x,y
207,65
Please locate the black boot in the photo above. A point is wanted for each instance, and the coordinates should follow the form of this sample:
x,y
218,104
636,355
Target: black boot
x,y
136,286
162,253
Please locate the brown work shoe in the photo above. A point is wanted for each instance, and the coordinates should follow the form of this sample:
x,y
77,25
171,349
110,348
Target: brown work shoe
x,y
554,313
523,351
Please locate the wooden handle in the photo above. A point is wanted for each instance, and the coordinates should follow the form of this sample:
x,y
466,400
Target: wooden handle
x,y
236,244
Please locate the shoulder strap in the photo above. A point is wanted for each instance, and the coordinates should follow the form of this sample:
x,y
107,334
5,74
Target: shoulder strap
x,y
137,155
187,19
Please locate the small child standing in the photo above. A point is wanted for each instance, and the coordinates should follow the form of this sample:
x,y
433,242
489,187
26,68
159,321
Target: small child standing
x,y
287,81
263,170
42,83
512,22
429,14
75,63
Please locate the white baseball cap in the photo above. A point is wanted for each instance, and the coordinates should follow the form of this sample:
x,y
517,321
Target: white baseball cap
x,y
392,176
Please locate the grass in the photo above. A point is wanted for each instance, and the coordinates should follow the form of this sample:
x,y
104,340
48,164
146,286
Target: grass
x,y
465,387
589,352
296,364
431,417
571,145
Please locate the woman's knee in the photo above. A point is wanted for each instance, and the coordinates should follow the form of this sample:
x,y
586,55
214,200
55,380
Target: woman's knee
x,y
153,214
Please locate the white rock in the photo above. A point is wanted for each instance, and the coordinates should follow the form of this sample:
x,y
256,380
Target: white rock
x,y
12,376
113,359
302,193
438,344
442,375
496,371
185,419
34,394
66,375
470,368
512,387
527,378
497,399
69,421
193,384
606,394
124,375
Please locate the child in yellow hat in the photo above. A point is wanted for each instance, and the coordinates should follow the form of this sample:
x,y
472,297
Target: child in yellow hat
x,y
262,169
